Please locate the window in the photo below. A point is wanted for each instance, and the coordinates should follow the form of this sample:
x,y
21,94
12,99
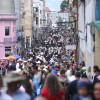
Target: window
x,y
7,51
40,11
40,21
7,30
36,20
36,9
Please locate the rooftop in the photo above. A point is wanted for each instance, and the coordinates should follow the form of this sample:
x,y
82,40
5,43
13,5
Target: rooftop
x,y
64,10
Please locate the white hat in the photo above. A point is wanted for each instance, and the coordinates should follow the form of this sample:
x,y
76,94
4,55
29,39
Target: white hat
x,y
20,60
38,62
29,59
25,61
45,69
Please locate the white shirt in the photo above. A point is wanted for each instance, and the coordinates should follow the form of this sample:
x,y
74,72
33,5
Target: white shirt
x,y
68,74
72,78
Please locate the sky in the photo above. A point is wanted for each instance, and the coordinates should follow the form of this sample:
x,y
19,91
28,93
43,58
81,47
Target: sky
x,y
53,4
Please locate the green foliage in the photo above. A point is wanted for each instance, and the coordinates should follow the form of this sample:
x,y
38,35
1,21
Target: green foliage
x,y
64,4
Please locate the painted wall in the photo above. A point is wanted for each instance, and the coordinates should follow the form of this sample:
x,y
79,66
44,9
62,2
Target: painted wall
x,y
89,18
81,33
97,48
7,41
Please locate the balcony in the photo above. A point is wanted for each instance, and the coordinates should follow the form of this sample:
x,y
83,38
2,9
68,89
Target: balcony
x,y
7,17
7,39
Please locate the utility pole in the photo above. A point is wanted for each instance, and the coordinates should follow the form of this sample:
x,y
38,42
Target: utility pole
x,y
44,25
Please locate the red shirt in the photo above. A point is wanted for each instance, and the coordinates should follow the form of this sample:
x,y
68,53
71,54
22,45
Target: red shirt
x,y
45,94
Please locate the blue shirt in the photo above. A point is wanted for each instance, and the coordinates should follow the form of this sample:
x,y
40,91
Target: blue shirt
x,y
18,95
54,71
36,86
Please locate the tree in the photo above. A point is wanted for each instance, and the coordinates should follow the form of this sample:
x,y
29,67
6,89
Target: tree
x,y
64,4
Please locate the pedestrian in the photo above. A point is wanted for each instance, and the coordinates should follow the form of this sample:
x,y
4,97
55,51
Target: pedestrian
x,y
27,85
36,73
97,76
84,75
3,96
89,75
95,68
53,70
52,89
83,88
19,65
68,71
13,81
72,74
35,84
72,87
43,78
12,67
96,90
25,65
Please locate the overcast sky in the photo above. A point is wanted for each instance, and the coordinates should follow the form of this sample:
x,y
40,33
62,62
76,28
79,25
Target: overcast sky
x,y
53,4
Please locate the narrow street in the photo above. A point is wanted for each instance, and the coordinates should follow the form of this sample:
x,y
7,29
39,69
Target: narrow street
x,y
49,49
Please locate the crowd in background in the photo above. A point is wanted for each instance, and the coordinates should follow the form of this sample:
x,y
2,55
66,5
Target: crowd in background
x,y
46,72
48,76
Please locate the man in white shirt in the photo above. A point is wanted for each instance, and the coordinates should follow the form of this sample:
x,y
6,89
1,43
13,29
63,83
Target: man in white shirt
x,y
68,72
72,78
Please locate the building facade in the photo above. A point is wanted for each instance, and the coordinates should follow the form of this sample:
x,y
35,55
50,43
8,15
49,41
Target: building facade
x,y
19,29
7,28
63,17
27,22
89,32
38,17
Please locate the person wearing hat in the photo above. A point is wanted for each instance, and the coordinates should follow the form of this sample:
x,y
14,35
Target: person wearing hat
x,y
25,65
19,65
53,70
12,67
3,96
84,75
13,81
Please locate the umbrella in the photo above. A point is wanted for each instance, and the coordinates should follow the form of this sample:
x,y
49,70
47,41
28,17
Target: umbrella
x,y
65,58
12,58
4,58
16,56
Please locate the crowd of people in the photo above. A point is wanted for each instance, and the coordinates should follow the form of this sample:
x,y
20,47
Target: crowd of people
x,y
48,73
48,76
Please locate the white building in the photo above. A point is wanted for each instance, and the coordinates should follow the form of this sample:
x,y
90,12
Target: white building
x,y
86,14
38,17
54,17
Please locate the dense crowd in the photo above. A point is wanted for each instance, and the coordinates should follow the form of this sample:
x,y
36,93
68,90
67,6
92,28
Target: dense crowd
x,y
48,76
46,72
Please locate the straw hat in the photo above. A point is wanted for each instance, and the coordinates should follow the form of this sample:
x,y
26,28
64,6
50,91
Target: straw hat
x,y
13,77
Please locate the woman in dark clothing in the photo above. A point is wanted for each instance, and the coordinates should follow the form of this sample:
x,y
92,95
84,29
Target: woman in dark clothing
x,y
43,77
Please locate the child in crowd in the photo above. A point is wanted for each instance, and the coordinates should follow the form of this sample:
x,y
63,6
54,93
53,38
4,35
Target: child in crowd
x,y
83,88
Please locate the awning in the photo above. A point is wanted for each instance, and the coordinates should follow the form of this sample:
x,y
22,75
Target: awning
x,y
97,24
